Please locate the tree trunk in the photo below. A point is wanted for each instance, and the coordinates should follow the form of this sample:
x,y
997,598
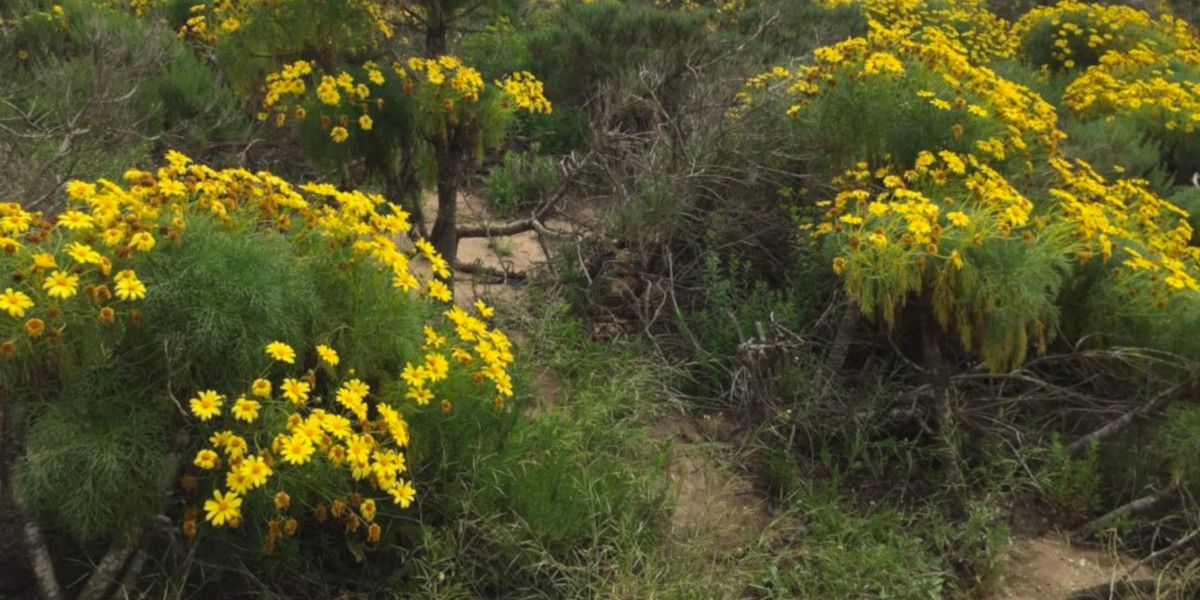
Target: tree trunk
x,y
845,334
445,229
43,566
436,29
943,397
403,190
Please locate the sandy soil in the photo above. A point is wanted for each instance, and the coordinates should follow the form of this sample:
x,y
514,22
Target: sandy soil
x,y
1050,568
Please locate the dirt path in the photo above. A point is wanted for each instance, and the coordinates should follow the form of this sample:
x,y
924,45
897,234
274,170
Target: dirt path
x,y
1050,568
711,501
719,508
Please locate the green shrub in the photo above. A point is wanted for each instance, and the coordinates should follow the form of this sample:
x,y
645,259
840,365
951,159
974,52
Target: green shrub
x,y
583,45
1069,484
521,181
1118,148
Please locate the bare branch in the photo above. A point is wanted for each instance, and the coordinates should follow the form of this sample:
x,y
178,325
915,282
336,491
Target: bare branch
x,y
1119,425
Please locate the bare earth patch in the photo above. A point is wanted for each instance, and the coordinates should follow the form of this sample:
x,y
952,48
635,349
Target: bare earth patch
x,y
711,502
1049,568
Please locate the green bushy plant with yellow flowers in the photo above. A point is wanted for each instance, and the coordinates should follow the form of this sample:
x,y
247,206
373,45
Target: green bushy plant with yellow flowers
x,y
960,190
458,115
231,351
1073,35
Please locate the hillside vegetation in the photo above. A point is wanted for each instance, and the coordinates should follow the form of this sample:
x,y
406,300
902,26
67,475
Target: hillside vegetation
x,y
564,299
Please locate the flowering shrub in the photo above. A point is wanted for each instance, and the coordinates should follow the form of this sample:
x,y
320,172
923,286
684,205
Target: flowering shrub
x,y
448,93
945,101
966,25
1074,35
290,329
935,210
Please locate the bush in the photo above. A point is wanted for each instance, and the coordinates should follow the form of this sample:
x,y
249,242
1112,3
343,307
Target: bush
x,y
225,331
1074,35
103,88
1153,93
522,180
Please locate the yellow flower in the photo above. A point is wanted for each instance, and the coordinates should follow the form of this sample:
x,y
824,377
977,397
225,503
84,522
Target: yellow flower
x,y
74,220
83,253
365,123
281,352
261,388
206,459
237,481
44,261
839,265
957,259
282,500
246,410
61,284
79,190
297,450
367,508
256,471
15,302
485,311
958,218
422,396
142,241
128,286
206,405
437,366
438,290
223,509
35,327
327,354
403,493
295,390
413,376
339,134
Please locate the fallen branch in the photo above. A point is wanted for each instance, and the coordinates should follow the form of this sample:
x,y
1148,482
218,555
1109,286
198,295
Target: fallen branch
x,y
1119,425
480,269
1116,589
1141,505
1178,545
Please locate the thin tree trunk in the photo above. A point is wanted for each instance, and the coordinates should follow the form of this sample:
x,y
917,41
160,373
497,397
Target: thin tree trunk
x,y
445,229
43,566
128,586
943,397
107,572
845,334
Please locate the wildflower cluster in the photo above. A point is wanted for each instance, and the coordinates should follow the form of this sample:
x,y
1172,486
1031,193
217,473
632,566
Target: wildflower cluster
x,y
952,222
307,409
444,86
350,428
966,25
975,96
212,21
287,88
1160,88
1074,34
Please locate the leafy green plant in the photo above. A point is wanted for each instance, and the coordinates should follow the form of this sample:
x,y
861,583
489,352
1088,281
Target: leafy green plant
x,y
1071,484
520,181
847,555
